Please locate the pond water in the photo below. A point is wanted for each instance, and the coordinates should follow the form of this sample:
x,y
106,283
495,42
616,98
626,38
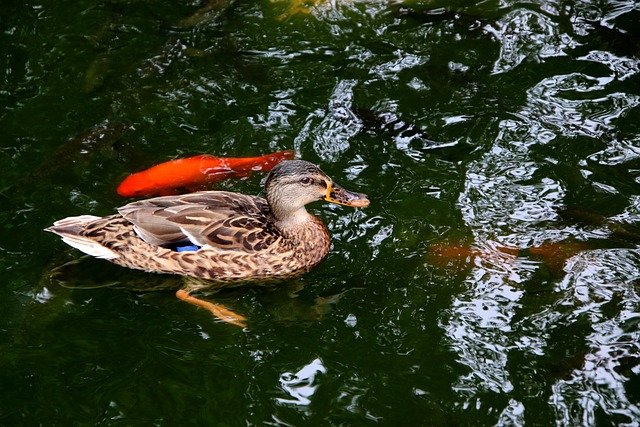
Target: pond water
x,y
494,279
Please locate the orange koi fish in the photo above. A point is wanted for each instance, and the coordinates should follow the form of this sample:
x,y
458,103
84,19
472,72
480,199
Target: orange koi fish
x,y
193,172
552,254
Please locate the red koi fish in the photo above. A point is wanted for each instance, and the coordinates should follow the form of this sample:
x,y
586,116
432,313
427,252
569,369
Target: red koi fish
x,y
194,172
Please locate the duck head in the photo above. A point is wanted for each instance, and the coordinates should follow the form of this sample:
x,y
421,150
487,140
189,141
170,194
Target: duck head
x,y
294,183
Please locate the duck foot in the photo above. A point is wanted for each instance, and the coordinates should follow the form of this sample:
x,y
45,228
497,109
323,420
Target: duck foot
x,y
217,310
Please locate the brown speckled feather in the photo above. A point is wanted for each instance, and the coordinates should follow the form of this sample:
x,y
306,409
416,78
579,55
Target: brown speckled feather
x,y
218,219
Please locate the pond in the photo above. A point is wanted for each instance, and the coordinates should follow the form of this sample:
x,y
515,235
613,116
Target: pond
x,y
494,279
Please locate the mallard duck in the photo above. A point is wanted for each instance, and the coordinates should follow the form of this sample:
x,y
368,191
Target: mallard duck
x,y
218,236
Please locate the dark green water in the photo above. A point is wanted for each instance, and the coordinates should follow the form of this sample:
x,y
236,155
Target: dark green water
x,y
495,278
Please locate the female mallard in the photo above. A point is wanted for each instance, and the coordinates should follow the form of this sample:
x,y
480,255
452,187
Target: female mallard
x,y
228,237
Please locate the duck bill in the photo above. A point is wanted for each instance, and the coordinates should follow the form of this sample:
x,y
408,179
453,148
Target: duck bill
x,y
337,194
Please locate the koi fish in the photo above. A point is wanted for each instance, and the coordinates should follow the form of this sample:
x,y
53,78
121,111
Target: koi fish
x,y
555,254
552,254
103,139
193,172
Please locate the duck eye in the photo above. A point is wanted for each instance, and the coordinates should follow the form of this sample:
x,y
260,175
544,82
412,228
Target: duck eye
x,y
306,180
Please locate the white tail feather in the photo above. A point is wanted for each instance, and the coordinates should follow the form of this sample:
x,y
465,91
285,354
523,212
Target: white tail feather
x,y
89,247
71,228
75,220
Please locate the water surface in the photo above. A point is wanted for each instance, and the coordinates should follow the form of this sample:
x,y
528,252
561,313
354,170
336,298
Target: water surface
x,y
493,280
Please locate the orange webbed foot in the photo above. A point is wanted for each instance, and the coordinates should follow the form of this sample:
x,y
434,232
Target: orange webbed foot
x,y
219,311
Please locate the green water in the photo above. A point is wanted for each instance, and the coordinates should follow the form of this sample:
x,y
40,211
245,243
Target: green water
x,y
493,280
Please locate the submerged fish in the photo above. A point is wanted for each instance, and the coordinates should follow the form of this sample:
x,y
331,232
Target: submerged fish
x,y
585,217
104,138
551,254
193,172
209,10
469,20
391,123
409,138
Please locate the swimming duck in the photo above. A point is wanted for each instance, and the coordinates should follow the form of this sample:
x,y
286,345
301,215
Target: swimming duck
x,y
218,236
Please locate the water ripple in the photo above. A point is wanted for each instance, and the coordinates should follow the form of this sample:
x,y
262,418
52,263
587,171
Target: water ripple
x,y
498,190
597,280
618,152
550,102
301,386
527,34
390,70
622,67
506,200
338,125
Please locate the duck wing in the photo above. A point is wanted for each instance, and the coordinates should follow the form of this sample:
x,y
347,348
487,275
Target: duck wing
x,y
217,219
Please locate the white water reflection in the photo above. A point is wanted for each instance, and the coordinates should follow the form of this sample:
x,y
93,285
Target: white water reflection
x,y
513,414
336,126
302,385
591,117
595,281
501,191
280,112
618,152
527,34
622,67
391,70
509,201
498,196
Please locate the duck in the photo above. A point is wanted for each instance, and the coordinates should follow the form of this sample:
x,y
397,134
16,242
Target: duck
x,y
218,237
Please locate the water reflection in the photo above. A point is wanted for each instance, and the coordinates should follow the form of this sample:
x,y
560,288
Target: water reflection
x,y
601,286
301,385
525,34
509,200
551,102
338,125
536,320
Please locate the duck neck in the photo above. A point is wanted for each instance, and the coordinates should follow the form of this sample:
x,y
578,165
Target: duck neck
x,y
292,223
305,232
299,226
